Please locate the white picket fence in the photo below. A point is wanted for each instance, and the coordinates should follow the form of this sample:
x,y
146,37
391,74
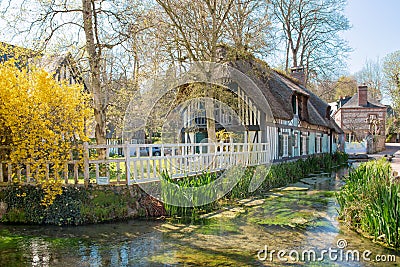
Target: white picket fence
x,y
139,163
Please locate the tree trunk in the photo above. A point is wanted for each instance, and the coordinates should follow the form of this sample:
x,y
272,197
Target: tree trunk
x,y
100,130
211,135
287,58
94,56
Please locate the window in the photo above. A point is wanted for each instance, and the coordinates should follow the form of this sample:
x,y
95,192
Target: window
x,y
294,104
201,105
285,145
295,143
318,144
304,145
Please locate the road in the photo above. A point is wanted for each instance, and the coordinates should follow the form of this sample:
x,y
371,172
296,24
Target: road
x,y
391,149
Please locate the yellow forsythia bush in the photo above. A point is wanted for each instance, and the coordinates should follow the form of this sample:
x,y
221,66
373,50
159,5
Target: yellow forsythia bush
x,y
41,121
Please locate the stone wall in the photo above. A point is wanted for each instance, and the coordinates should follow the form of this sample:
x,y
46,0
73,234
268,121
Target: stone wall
x,y
354,120
376,144
379,143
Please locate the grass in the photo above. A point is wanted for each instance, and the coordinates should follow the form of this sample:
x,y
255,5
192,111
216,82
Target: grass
x,y
370,202
174,193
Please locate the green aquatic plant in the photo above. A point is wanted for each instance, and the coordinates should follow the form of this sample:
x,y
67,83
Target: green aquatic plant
x,y
173,191
370,202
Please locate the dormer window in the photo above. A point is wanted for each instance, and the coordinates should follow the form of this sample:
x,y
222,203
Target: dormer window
x,y
294,105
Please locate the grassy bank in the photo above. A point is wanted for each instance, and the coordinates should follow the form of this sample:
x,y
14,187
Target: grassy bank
x,y
370,202
76,205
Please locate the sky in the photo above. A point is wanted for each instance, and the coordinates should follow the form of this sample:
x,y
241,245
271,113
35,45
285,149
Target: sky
x,y
375,32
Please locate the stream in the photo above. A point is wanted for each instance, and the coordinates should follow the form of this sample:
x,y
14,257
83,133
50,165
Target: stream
x,y
292,226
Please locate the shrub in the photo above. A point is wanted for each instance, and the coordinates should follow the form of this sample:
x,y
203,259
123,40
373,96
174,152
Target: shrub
x,y
43,121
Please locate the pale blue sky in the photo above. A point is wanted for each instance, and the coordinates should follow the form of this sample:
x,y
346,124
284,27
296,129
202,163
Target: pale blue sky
x,y
375,32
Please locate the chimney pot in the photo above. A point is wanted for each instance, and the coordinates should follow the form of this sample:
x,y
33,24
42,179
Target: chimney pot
x,y
298,73
362,95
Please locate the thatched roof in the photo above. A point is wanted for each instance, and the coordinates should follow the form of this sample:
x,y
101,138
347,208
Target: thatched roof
x,y
274,90
51,63
278,89
54,63
334,126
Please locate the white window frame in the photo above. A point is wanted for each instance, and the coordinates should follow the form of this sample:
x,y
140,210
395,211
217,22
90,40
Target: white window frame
x,y
285,145
304,145
296,142
318,146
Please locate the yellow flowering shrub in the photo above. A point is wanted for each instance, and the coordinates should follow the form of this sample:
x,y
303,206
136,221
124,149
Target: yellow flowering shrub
x,y
42,121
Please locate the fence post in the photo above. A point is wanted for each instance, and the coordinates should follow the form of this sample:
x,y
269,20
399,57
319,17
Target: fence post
x,y
86,163
1,172
9,172
127,163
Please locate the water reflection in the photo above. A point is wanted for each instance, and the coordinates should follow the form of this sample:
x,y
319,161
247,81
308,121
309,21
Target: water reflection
x,y
40,252
282,220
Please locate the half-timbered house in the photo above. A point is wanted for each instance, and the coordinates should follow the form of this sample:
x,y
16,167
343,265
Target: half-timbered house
x,y
301,124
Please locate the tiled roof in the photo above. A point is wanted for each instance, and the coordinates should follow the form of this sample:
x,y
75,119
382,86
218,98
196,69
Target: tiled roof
x,y
371,103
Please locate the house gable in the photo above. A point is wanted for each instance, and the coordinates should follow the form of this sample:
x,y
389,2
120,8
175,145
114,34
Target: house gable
x,y
360,116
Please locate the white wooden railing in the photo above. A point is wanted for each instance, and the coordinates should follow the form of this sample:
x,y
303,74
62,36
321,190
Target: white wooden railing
x,y
140,163
356,147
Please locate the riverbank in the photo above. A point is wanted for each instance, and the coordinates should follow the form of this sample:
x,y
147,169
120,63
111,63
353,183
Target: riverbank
x,y
241,234
96,204
369,202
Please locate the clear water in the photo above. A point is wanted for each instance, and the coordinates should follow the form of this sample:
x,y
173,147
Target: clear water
x,y
243,234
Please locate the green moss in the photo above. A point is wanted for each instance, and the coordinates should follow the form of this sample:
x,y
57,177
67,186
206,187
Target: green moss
x,y
76,205
327,194
205,257
287,218
8,241
291,209
104,205
15,215
287,76
219,227
322,222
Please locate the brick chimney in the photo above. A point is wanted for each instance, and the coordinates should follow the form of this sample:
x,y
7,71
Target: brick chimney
x,y
298,73
362,95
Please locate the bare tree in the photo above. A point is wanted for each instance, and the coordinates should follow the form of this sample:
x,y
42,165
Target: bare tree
x,y
198,25
333,90
248,27
371,75
198,28
95,28
325,89
391,69
311,29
